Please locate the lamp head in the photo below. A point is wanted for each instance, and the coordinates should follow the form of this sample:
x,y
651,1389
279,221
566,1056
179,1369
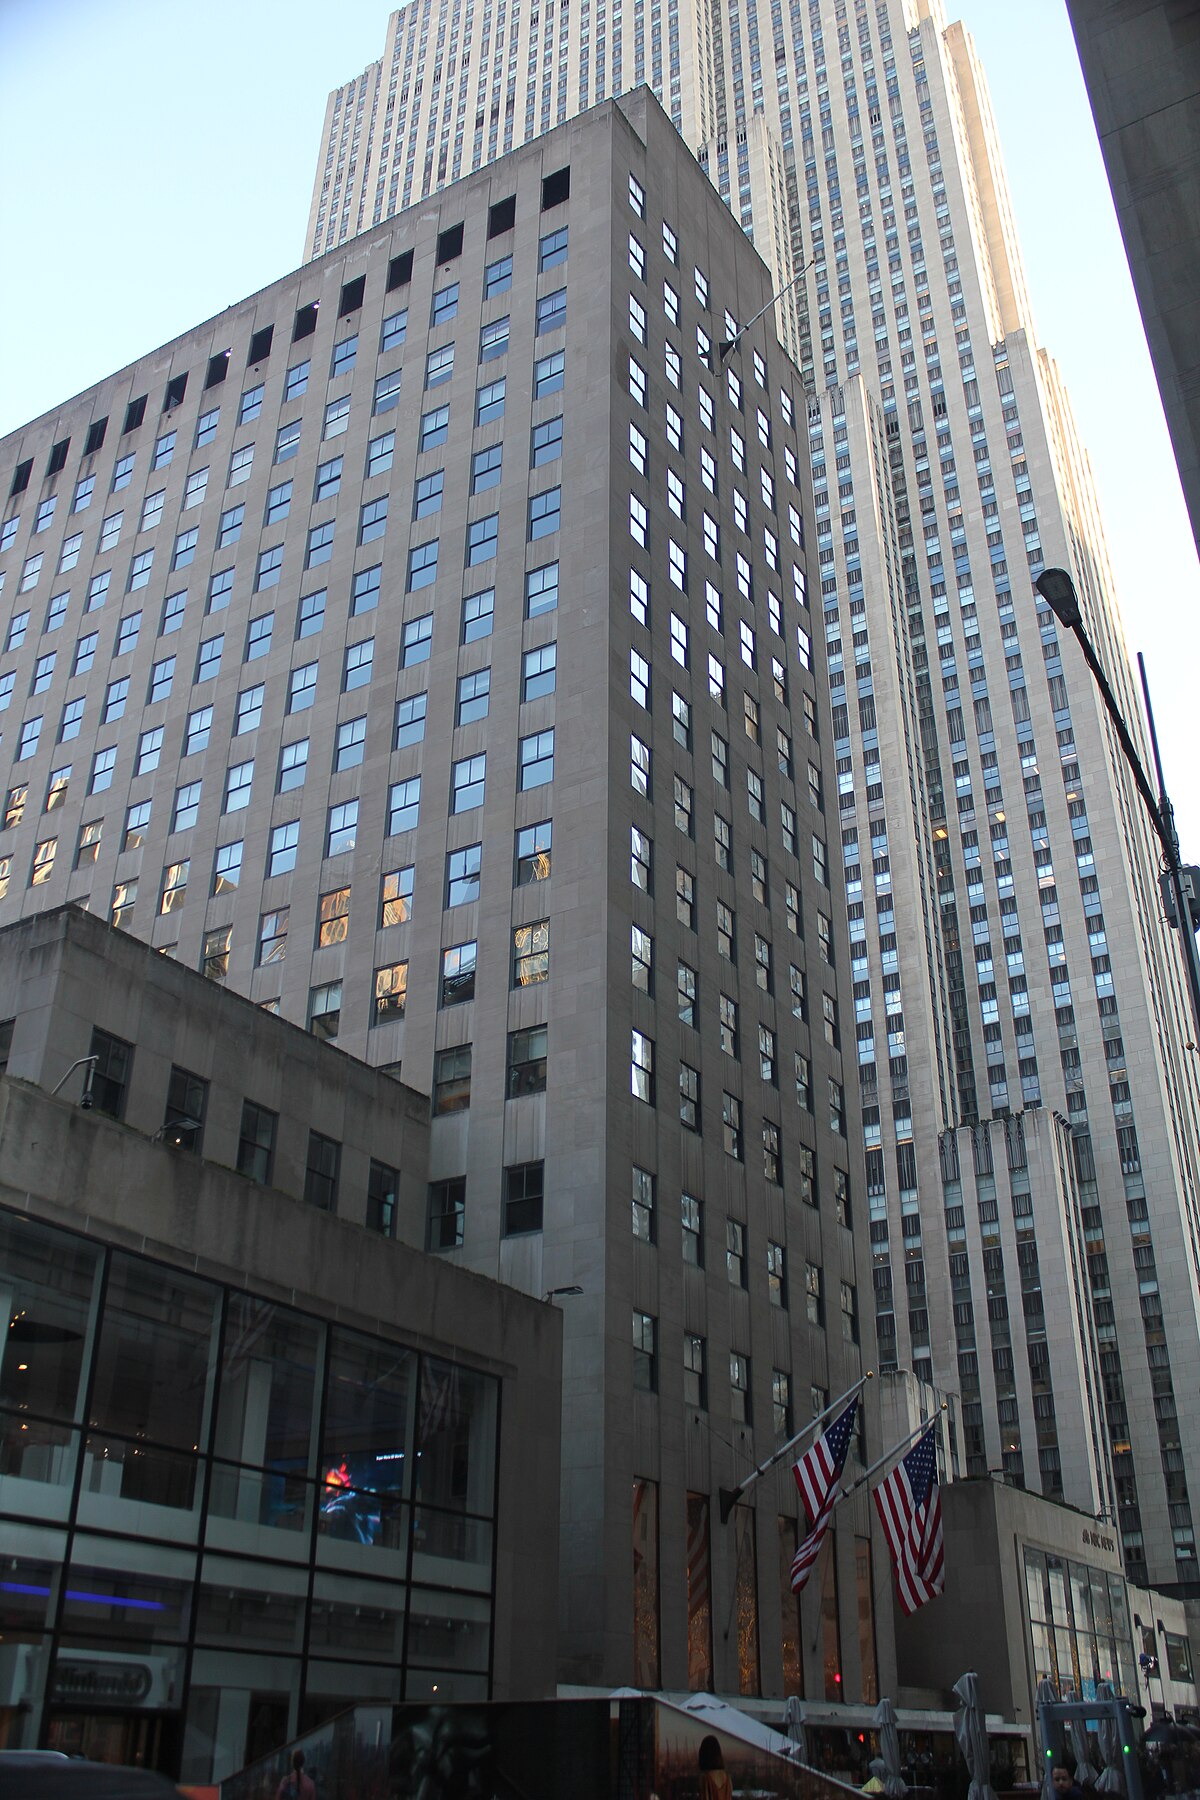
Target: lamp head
x,y
1058,591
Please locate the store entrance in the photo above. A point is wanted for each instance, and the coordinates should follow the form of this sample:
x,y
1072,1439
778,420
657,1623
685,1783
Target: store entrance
x,y
141,1740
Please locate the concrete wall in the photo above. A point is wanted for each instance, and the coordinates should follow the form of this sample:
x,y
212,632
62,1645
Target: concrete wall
x,y
64,973
117,1183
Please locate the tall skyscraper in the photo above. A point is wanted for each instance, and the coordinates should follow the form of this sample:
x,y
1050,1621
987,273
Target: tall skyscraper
x,y
1031,1112
1141,63
423,648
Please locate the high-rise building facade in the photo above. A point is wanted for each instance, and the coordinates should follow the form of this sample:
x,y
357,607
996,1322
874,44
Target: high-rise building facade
x,y
423,648
1141,62
1031,1114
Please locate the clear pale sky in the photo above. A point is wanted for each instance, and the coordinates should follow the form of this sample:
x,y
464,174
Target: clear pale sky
x,y
166,150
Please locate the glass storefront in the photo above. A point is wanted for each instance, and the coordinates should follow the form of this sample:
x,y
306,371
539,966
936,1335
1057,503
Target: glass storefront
x,y
1079,1622
224,1519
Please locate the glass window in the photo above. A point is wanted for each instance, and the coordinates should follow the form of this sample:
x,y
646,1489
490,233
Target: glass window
x,y
287,441
447,1214
256,1140
452,1080
645,1355
394,330
227,868
434,427
319,547
358,663
497,277
538,671
416,638
439,366
410,720
240,464
272,937
531,953
482,535
325,1010
310,614
372,519
536,760
493,339
551,311
345,352
364,590
422,565
541,590
527,1061
462,874
281,858
445,304
427,493
390,995
404,800
380,451
489,401
467,782
396,896
544,512
477,613
532,853
458,974
342,828
296,381
548,374
155,1341
523,1198
337,417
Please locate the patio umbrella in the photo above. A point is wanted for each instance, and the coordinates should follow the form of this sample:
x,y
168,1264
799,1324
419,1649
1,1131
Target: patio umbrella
x,y
971,1732
1077,1736
894,1784
1108,1737
793,1723
1047,1694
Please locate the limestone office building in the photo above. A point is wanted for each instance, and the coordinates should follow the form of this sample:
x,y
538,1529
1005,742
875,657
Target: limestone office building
x,y
423,648
1022,1035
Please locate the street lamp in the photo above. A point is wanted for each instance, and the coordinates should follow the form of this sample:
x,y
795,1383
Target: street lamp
x,y
1058,591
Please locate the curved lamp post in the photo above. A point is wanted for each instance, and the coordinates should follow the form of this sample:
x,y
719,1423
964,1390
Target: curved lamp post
x,y
1058,591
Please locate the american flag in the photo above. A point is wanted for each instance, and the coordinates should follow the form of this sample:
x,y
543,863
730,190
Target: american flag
x,y
910,1505
817,1476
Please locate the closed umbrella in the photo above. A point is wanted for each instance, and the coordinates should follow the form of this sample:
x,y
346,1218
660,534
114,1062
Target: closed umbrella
x,y
1108,1736
1047,1694
894,1784
971,1733
1077,1734
793,1724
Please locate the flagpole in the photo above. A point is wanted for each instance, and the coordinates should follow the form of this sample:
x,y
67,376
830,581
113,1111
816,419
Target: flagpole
x,y
729,1497
887,1456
